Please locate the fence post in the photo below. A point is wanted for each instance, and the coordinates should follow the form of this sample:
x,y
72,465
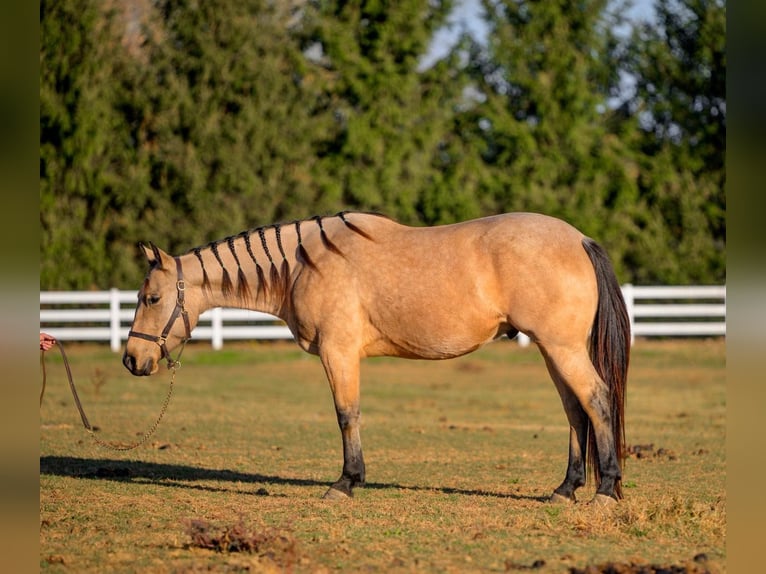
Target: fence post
x,y
629,296
216,325
114,319
522,339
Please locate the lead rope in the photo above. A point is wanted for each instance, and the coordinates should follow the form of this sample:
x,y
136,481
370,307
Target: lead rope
x,y
86,423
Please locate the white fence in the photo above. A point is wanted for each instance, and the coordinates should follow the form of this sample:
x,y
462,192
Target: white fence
x,y
107,315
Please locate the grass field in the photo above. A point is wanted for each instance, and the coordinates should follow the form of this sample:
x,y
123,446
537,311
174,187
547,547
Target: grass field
x,y
461,457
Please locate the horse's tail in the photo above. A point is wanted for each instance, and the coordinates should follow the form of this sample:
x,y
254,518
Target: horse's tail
x,y
609,352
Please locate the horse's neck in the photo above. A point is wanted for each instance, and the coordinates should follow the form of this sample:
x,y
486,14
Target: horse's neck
x,y
251,270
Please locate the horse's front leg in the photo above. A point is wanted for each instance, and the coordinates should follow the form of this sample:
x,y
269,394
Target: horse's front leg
x,y
343,375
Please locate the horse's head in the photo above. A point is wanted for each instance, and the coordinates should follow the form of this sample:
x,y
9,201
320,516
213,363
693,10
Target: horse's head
x,y
162,321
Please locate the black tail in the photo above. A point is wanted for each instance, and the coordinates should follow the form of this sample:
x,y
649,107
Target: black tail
x,y
609,351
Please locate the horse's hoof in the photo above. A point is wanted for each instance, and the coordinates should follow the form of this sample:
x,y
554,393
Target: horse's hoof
x,y
603,501
557,498
335,494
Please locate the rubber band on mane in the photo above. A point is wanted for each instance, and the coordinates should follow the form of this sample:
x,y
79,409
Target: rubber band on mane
x,y
303,254
226,285
284,272
206,288
323,234
263,287
353,227
274,282
243,288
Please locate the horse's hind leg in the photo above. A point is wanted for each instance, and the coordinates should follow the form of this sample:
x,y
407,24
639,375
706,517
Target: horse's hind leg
x,y
573,371
578,436
343,375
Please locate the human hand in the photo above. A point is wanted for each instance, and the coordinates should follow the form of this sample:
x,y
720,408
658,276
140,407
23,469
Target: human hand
x,y
46,341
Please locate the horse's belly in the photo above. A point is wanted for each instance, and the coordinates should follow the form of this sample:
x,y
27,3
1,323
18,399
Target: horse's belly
x,y
425,338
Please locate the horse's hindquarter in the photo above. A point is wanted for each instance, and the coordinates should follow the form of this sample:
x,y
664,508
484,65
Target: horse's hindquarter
x,y
437,292
549,286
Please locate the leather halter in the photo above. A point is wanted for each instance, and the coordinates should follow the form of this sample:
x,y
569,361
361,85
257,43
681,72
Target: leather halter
x,y
179,309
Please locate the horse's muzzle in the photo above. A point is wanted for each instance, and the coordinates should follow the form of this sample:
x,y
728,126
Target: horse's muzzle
x,y
131,364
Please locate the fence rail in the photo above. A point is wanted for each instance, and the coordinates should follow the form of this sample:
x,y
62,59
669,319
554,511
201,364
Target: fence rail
x,y
655,311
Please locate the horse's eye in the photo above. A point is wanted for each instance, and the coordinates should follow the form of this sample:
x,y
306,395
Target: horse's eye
x,y
153,299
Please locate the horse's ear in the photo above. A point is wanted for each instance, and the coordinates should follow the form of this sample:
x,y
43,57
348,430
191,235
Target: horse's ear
x,y
154,255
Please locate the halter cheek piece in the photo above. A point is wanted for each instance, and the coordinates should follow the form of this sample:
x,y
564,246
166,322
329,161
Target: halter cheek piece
x,y
161,340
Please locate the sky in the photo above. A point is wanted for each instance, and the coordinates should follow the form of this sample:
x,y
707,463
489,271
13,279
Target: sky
x,y
466,17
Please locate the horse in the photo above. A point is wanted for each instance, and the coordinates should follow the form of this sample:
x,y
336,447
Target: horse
x,y
355,285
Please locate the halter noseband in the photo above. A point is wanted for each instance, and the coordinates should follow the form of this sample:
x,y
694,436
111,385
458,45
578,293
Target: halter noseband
x,y
161,340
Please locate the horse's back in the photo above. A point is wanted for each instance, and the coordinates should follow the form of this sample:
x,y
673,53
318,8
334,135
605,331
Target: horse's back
x,y
512,247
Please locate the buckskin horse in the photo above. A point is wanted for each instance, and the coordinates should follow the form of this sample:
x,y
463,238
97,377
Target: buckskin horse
x,y
357,285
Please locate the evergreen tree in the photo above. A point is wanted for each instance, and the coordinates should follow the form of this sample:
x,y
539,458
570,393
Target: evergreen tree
x,y
78,127
175,122
391,117
183,122
679,106
548,74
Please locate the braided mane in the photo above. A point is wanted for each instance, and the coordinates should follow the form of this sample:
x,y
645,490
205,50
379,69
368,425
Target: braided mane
x,y
277,284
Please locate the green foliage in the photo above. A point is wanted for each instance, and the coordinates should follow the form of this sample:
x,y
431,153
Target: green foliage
x,y
183,122
391,118
76,118
199,128
547,76
680,109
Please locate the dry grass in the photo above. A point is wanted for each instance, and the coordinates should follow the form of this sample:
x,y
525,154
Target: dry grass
x,y
461,456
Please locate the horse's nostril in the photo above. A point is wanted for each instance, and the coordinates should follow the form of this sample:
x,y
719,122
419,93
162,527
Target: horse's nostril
x,y
148,366
129,362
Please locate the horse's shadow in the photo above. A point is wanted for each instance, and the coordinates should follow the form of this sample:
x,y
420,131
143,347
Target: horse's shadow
x,y
198,478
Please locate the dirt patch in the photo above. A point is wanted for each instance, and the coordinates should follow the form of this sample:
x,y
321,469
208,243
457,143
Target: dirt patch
x,y
698,565
275,545
511,566
648,451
